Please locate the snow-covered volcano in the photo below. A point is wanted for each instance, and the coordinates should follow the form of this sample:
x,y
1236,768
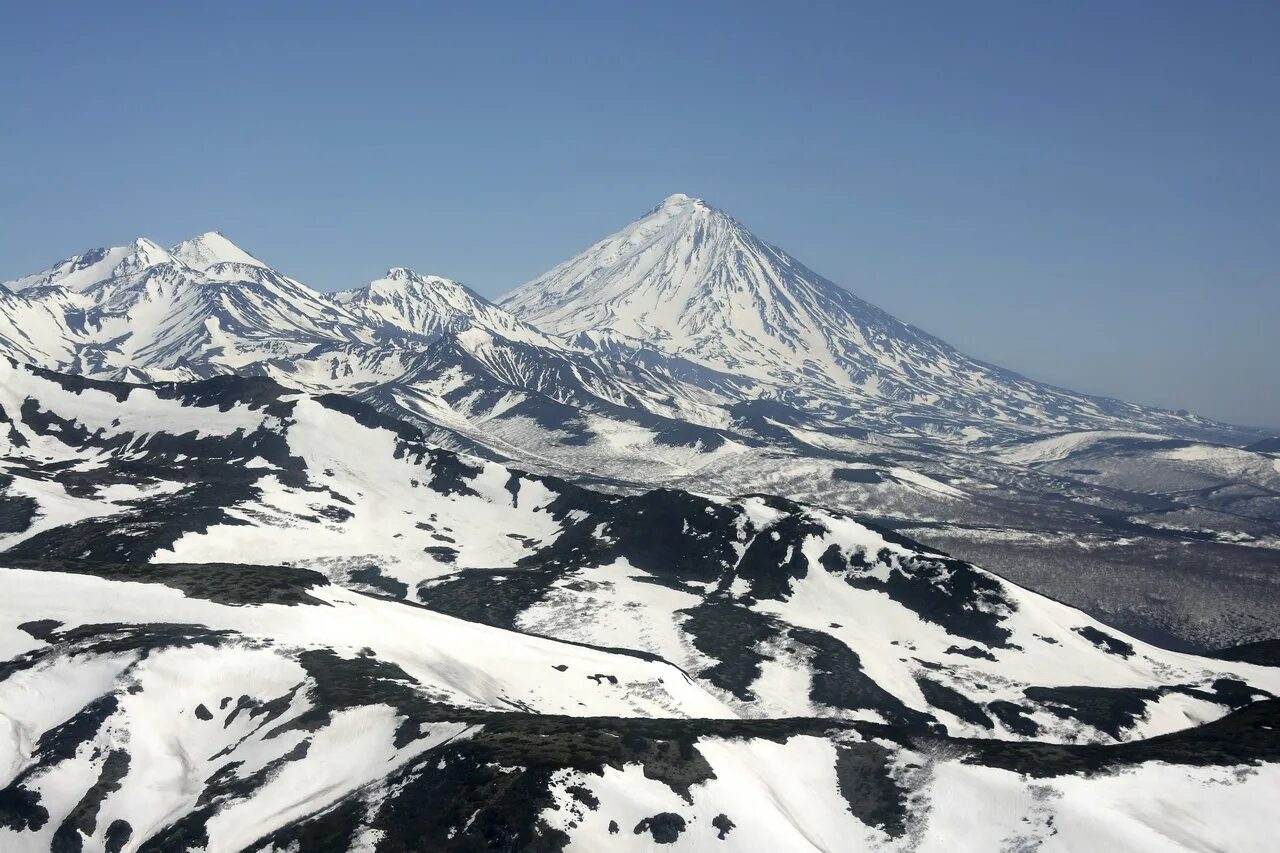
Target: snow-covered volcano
x,y
690,280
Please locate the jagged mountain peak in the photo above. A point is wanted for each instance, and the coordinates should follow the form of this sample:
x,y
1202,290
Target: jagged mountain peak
x,y
141,254
143,312
429,305
147,246
415,290
82,271
399,277
212,247
403,281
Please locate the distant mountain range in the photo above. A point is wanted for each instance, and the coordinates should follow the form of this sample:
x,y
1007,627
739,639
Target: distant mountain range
x,y
685,352
685,281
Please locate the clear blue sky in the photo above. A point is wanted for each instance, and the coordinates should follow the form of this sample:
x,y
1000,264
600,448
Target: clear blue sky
x,y
1088,193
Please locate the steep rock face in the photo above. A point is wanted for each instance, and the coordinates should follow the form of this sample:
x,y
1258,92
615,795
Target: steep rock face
x,y
690,280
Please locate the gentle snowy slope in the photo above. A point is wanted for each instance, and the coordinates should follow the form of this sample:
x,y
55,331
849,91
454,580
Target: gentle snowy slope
x,y
272,711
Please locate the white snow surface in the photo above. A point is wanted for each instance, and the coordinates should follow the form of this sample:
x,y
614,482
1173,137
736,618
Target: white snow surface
x,y
681,351
366,497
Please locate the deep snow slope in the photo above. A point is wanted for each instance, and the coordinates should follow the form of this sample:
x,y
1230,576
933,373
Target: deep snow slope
x,y
404,648
689,280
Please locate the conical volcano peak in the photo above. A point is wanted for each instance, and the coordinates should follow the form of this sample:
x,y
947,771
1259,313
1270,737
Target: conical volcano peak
x,y
689,279
212,247
665,277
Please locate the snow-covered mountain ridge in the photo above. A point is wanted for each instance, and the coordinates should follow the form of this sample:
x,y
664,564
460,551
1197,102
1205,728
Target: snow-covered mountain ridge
x,y
142,311
400,646
208,307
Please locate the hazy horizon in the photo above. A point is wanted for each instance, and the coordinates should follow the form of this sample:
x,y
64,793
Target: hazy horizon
x,y
1088,196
